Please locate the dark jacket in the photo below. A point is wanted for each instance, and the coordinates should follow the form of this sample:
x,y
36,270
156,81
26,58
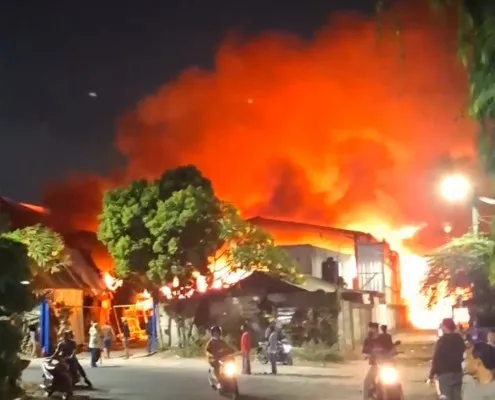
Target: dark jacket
x,y
386,341
448,356
373,347
126,334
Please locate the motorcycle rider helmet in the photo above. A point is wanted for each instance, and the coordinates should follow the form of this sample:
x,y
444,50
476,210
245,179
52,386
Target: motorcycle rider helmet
x,y
216,329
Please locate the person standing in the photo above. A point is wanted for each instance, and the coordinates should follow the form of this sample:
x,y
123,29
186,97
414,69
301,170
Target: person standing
x,y
149,333
246,350
34,340
273,348
126,336
94,343
107,334
447,362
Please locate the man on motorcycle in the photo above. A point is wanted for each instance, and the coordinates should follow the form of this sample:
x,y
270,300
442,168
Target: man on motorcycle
x,y
372,348
216,348
386,339
66,349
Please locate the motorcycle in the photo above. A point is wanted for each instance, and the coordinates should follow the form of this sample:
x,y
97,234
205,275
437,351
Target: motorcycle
x,y
284,352
56,378
387,385
226,382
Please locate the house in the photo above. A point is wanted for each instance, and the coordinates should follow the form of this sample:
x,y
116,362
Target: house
x,y
364,264
71,284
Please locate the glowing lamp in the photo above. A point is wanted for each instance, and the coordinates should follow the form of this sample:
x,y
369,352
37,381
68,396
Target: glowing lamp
x,y
455,188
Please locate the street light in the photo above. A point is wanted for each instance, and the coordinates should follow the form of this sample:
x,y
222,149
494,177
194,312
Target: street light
x,y
457,188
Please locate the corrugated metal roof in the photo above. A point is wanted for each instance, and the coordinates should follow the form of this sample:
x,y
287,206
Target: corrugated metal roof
x,y
279,223
21,215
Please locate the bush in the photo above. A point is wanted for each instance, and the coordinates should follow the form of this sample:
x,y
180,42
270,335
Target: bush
x,y
318,352
194,347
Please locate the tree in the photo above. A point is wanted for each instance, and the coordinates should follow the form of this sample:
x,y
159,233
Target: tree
x,y
15,297
161,229
45,248
170,229
463,269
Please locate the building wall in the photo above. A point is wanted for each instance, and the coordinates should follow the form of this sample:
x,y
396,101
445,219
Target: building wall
x,y
354,319
309,259
73,299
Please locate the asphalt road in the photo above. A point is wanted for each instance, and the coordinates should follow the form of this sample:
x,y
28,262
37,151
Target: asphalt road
x,y
118,380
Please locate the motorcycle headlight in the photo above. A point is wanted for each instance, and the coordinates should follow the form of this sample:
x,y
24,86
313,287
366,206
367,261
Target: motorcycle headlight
x,y
229,369
389,375
287,348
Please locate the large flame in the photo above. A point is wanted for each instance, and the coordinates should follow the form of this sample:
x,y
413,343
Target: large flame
x,y
336,130
111,282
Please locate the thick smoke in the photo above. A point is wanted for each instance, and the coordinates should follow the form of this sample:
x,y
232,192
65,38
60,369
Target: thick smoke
x,y
333,130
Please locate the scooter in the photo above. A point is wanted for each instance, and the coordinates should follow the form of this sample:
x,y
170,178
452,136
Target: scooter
x,y
387,383
226,382
284,352
56,378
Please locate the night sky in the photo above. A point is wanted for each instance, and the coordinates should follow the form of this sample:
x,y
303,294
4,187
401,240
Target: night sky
x,y
54,53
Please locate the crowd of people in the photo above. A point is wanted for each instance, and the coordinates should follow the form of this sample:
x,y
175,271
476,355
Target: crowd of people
x,y
457,352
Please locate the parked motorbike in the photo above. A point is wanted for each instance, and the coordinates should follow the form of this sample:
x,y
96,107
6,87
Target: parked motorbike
x,y
56,378
284,352
226,382
387,383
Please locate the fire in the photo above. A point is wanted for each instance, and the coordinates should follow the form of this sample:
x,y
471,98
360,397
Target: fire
x,y
111,282
222,276
413,272
144,301
304,133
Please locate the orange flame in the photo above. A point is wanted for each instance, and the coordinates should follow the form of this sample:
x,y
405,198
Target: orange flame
x,y
144,301
111,282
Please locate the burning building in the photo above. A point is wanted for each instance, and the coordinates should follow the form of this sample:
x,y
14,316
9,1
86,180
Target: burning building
x,y
362,261
72,285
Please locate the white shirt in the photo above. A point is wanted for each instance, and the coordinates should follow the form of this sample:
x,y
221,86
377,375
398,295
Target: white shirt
x,y
476,391
94,338
273,342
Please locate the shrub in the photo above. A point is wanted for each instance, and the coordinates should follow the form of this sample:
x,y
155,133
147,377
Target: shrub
x,y
193,347
318,352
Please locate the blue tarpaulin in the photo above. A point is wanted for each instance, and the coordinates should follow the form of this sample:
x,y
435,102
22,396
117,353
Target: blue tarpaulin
x,y
45,326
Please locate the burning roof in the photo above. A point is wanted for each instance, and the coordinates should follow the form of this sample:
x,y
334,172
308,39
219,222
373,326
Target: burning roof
x,y
298,233
20,214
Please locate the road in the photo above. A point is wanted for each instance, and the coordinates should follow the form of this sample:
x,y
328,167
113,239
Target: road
x,y
155,379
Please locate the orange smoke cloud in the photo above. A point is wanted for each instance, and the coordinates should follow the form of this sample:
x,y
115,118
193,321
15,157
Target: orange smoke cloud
x,y
329,130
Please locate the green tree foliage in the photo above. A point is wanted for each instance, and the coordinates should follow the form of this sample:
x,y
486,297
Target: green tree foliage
x,y
45,248
463,263
15,297
172,227
161,229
